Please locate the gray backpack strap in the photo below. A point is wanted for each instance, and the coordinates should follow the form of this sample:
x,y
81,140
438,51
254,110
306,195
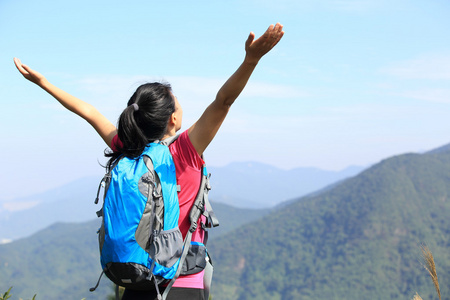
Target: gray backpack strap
x,y
186,246
106,180
207,276
202,201
169,140
117,292
199,206
155,192
208,208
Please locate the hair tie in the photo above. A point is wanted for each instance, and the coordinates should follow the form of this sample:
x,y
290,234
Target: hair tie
x,y
135,106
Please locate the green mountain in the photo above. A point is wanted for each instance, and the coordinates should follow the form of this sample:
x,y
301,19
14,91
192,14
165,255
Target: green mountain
x,y
359,240
62,261
231,217
59,262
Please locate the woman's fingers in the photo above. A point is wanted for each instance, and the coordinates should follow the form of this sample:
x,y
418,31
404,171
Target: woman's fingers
x,y
19,66
28,72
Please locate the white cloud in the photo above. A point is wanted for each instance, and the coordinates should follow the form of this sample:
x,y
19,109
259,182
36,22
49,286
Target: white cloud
x,y
186,88
113,85
430,95
17,206
202,87
110,94
355,5
431,67
296,6
278,91
428,72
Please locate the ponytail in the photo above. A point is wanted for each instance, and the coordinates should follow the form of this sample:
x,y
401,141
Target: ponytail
x,y
144,120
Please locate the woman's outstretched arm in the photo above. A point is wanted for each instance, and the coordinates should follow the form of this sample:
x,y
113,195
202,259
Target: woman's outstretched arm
x,y
204,130
85,110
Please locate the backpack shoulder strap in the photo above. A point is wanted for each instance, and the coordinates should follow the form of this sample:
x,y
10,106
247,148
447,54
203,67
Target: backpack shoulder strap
x,y
155,191
168,141
202,204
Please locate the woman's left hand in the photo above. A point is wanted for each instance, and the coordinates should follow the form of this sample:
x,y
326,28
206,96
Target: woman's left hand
x,y
255,49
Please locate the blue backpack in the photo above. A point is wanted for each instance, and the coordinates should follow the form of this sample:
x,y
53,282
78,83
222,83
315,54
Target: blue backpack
x,y
141,246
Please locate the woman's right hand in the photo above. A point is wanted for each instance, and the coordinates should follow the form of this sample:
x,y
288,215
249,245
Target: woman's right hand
x,y
29,73
101,124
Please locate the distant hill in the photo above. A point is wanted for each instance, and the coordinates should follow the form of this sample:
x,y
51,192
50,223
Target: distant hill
x,y
243,185
73,202
257,185
231,218
442,149
359,240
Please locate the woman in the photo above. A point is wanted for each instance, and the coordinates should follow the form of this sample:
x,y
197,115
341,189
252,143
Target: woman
x,y
154,113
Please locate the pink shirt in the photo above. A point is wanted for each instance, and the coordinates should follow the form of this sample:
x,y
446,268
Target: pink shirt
x,y
188,165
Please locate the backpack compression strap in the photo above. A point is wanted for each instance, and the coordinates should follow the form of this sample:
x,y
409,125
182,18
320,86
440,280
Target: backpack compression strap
x,y
202,204
208,209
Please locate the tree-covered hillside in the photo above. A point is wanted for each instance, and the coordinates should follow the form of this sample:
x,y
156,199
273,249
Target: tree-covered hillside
x,y
357,240
360,240
60,262
63,259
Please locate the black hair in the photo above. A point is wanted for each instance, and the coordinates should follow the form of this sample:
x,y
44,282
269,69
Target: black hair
x,y
144,122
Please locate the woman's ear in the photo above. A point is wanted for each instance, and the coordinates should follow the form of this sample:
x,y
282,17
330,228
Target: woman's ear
x,y
172,122
173,119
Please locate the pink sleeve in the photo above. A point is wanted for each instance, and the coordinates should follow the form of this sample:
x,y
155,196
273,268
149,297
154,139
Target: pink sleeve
x,y
115,143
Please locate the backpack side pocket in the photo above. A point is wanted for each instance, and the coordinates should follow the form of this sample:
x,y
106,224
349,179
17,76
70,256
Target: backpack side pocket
x,y
166,247
195,260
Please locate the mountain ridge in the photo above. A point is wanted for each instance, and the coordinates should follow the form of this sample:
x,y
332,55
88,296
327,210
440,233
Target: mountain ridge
x,y
74,202
360,240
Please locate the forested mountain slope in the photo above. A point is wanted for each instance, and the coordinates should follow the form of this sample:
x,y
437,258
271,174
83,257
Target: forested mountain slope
x,y
359,240
62,261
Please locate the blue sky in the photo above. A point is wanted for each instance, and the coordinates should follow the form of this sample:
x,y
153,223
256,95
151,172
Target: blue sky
x,y
351,82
